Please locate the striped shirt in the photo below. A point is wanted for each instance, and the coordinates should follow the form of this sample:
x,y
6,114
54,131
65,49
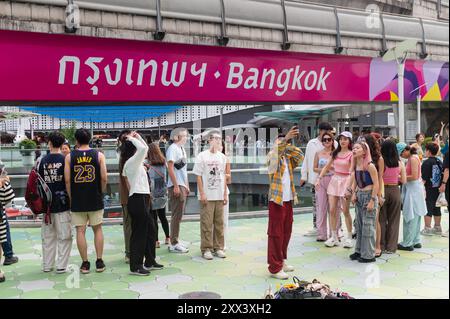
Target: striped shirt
x,y
276,163
6,195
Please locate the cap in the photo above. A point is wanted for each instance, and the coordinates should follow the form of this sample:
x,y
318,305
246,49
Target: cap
x,y
346,134
400,148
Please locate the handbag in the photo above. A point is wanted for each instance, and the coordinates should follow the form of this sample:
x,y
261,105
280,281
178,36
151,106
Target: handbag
x,y
298,290
441,201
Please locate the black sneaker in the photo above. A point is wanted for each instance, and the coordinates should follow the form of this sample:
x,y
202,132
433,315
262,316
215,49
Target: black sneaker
x,y
85,267
418,246
155,266
365,261
140,272
10,260
355,256
401,247
100,265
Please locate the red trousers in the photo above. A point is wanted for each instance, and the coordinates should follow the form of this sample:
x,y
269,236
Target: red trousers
x,y
279,232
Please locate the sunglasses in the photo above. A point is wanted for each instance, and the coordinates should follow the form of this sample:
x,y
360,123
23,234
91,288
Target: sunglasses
x,y
325,140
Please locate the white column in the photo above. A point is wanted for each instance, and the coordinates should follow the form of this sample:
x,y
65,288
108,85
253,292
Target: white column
x,y
401,102
419,129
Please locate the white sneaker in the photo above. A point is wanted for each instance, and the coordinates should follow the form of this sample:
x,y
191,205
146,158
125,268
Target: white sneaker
x,y
220,253
311,233
445,234
288,268
427,231
331,242
437,230
207,255
178,248
280,275
348,243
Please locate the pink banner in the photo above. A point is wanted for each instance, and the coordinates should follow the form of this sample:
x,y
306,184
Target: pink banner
x,y
37,67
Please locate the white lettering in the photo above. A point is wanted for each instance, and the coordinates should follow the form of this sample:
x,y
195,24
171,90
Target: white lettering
x,y
297,78
266,73
201,72
233,74
252,81
129,80
322,79
283,85
110,81
93,79
173,80
62,69
143,66
308,84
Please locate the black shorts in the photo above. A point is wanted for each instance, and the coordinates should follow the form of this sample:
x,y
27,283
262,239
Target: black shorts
x,y
432,196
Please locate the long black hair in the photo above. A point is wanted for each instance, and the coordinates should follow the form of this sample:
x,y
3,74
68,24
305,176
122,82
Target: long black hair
x,y
338,149
127,150
390,154
374,149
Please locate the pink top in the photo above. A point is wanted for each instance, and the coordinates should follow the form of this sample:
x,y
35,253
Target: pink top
x,y
391,175
342,165
408,167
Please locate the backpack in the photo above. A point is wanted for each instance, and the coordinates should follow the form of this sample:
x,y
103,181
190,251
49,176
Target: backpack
x,y
158,187
38,195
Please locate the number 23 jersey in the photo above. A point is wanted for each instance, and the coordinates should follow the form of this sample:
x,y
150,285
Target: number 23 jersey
x,y
85,181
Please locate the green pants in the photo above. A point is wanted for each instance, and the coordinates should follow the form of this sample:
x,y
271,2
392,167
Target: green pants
x,y
411,232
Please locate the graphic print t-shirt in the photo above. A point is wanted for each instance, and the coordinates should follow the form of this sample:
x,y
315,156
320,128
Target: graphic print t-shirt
x,y
52,171
432,172
211,167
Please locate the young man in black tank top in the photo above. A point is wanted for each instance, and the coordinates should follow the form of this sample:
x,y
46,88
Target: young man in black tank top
x,y
86,180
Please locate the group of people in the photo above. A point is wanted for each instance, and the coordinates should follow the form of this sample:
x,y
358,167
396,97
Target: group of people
x,y
381,179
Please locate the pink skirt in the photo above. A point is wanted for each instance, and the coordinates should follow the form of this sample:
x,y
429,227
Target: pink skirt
x,y
338,185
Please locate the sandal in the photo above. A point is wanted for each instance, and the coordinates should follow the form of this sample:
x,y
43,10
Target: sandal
x,y
378,255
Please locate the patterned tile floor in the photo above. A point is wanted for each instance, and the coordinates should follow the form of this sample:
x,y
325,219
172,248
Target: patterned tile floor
x,y
423,273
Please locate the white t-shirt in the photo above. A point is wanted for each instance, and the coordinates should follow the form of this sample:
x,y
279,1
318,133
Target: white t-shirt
x,y
134,169
211,167
174,154
286,182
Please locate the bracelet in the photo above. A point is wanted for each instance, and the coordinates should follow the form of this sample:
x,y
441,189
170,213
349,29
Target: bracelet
x,y
373,198
350,190
444,183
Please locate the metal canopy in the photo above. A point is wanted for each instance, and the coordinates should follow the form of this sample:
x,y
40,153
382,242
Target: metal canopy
x,y
295,116
102,114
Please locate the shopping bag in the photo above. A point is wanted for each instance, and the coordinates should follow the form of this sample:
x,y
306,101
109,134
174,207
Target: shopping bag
x,y
441,201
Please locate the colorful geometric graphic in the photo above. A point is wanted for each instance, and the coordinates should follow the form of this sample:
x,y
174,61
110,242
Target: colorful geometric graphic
x,y
427,79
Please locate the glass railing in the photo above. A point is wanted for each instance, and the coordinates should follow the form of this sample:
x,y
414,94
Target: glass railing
x,y
14,157
248,193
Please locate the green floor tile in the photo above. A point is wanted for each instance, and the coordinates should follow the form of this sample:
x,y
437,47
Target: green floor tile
x,y
9,292
243,274
112,285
